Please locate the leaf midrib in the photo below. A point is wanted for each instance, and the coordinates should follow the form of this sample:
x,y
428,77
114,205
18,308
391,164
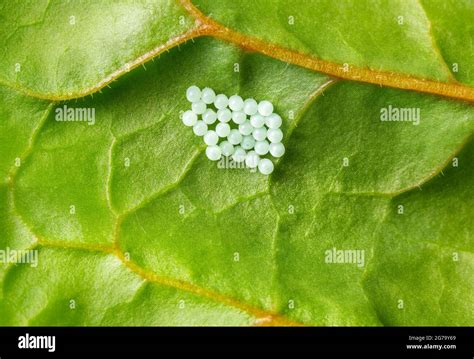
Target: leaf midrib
x,y
205,26
213,28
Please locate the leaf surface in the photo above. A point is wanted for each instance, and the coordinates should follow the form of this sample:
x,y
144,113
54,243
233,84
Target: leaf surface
x,y
63,49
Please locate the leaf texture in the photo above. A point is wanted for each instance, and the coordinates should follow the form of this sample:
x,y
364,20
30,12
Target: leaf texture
x,y
133,225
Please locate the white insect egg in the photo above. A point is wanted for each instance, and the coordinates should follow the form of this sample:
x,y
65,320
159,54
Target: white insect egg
x,y
277,149
227,148
259,134
213,153
200,128
239,154
239,117
245,128
223,129
262,147
274,135
236,103
224,115
193,94
252,159
248,142
208,95
265,108
221,101
250,106
257,120
265,166
189,118
258,130
234,137
273,121
209,116
211,138
198,107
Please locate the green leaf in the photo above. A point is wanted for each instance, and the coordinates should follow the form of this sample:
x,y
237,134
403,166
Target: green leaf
x,y
63,49
133,225
407,37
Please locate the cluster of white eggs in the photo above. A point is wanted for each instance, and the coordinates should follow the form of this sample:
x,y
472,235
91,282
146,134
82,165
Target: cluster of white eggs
x,y
241,129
